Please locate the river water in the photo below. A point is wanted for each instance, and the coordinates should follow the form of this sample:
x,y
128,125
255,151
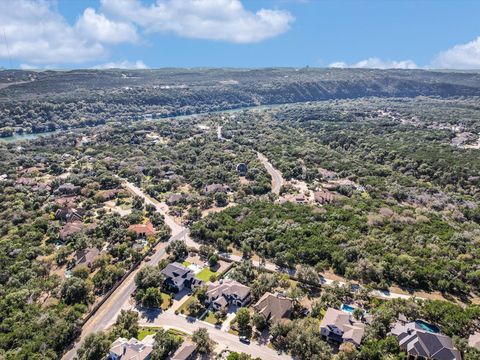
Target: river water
x,y
20,137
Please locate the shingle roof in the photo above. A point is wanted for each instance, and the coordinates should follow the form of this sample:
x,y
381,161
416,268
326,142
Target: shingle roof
x,y
274,307
132,349
227,288
87,256
184,351
416,341
71,228
179,274
146,229
352,331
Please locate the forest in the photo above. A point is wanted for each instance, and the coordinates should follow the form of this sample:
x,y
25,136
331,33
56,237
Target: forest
x,y
382,188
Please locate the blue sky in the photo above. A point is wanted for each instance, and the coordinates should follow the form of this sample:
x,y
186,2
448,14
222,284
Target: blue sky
x,y
239,33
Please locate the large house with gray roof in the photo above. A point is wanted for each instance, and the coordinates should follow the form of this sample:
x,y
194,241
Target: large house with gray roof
x,y
226,292
339,327
179,277
274,307
133,349
421,344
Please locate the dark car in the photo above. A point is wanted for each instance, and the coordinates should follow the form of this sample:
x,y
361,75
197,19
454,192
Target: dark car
x,y
244,340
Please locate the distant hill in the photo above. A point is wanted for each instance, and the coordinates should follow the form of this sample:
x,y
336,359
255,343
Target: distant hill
x,y
52,99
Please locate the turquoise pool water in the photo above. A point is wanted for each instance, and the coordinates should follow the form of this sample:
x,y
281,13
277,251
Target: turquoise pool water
x,y
427,327
347,308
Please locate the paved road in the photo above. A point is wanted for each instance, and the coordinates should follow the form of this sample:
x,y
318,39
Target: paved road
x,y
277,179
107,313
184,235
225,340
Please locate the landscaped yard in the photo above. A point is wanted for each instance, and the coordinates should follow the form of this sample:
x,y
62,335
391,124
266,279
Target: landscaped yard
x,y
210,318
143,332
165,301
186,263
205,274
185,308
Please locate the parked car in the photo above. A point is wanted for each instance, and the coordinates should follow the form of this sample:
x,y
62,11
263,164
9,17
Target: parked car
x,y
244,340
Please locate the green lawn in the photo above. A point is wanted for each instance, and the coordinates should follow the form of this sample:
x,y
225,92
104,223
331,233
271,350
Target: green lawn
x,y
143,332
184,308
185,263
233,332
205,274
165,301
210,318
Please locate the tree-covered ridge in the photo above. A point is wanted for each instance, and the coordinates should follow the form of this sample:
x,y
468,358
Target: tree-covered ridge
x,y
406,209
359,239
45,101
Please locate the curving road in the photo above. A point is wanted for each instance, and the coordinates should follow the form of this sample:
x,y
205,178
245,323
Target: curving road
x,y
277,178
225,340
119,299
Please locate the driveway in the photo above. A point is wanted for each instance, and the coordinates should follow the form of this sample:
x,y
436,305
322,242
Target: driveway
x,y
224,339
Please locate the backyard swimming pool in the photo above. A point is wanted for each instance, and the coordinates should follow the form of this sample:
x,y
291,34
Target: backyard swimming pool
x,y
427,327
348,308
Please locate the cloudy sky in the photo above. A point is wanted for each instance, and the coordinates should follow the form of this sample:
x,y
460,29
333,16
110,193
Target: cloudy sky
x,y
239,33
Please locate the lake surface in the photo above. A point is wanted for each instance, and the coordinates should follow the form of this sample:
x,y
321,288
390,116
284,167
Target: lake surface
x,y
20,137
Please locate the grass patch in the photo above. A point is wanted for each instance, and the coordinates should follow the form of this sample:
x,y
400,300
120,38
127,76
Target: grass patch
x,y
165,301
186,263
205,274
210,318
177,332
185,308
143,332
233,332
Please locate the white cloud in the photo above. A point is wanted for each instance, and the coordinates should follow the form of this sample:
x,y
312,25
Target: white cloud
x,y
376,63
463,56
37,34
225,20
139,64
99,28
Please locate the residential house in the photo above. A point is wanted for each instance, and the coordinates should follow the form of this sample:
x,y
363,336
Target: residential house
x,y
474,340
174,199
71,228
339,327
325,197
274,307
327,174
186,351
69,214
222,293
133,349
179,277
68,189
66,201
86,256
420,343
215,188
24,181
142,230
108,194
